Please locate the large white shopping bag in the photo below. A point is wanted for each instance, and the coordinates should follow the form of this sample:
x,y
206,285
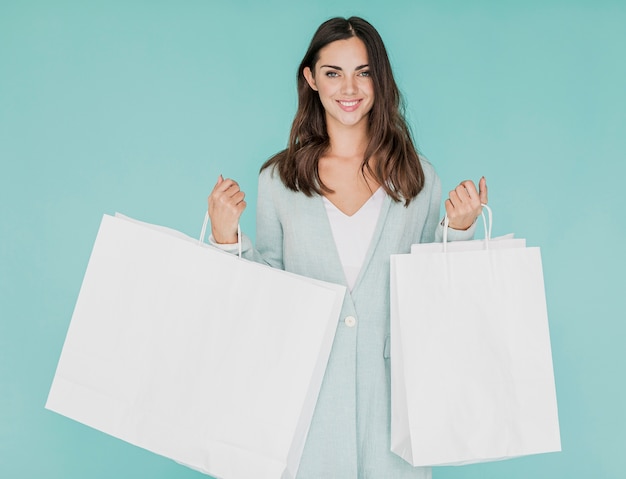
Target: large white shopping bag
x,y
471,363
192,353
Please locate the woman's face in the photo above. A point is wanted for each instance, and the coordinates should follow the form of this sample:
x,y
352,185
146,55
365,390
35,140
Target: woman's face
x,y
342,79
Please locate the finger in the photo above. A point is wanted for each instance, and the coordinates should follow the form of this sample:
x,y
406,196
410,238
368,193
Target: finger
x,y
227,186
470,189
238,197
453,198
224,192
234,193
460,195
220,179
483,191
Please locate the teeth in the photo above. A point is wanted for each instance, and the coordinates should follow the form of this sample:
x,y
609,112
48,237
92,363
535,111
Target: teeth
x,y
349,103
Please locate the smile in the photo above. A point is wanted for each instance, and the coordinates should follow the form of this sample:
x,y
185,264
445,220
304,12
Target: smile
x,y
349,103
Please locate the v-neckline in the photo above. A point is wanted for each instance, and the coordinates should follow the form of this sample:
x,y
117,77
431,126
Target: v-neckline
x,y
382,219
360,209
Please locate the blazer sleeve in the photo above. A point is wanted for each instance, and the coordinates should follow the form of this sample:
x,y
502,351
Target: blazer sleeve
x,y
432,229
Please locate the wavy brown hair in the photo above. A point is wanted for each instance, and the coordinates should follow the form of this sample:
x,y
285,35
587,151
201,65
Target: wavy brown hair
x,y
397,167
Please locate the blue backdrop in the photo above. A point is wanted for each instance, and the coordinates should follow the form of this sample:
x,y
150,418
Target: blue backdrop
x,y
138,106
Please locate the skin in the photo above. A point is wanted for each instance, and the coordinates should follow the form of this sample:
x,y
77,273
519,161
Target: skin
x,y
341,78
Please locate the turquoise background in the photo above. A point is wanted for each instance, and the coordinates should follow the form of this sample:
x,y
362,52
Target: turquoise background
x,y
137,106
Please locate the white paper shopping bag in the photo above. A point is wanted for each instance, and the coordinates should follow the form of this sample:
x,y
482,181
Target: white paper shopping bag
x,y
195,354
471,364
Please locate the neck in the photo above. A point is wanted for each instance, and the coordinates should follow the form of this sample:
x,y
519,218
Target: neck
x,y
348,141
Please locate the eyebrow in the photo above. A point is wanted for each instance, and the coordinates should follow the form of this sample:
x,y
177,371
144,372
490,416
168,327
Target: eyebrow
x,y
334,67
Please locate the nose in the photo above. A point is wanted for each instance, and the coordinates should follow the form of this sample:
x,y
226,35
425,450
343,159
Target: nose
x,y
349,85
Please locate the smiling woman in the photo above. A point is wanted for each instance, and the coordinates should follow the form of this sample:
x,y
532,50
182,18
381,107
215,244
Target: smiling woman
x,y
348,192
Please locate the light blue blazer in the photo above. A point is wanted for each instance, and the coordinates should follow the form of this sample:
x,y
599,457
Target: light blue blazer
x,y
349,436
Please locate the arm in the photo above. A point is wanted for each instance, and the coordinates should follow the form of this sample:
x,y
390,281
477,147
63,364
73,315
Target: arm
x,y
433,231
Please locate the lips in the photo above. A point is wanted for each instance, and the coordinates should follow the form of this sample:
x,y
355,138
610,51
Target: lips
x,y
349,105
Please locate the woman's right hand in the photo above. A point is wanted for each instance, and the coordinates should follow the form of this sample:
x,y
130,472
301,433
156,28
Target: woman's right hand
x,y
226,203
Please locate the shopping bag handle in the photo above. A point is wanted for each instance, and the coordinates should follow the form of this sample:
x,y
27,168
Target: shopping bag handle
x,y
205,224
486,224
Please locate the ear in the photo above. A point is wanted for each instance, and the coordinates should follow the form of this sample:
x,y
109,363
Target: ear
x,y
310,79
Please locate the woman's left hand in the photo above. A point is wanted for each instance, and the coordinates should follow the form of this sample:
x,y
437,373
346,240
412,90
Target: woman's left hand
x,y
464,203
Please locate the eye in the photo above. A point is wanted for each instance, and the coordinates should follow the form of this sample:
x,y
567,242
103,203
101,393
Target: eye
x,y
364,73
331,74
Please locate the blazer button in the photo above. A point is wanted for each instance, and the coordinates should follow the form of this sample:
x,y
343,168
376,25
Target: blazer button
x,y
350,321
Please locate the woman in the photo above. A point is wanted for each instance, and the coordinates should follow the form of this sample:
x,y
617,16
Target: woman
x,y
349,191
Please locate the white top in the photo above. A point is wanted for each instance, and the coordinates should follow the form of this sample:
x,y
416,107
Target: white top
x,y
353,234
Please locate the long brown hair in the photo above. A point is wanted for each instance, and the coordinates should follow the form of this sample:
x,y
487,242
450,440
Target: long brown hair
x,y
397,167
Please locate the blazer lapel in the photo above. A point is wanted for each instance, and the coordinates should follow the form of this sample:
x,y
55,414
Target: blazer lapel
x,y
380,227
327,247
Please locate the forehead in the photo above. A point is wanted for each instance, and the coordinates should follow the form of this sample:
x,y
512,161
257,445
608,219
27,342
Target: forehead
x,y
344,53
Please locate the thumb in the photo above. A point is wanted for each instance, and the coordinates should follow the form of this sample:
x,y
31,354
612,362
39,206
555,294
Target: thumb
x,y
482,190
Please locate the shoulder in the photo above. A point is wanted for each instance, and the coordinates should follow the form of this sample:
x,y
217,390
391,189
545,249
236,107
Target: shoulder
x,y
269,176
428,168
270,183
431,179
